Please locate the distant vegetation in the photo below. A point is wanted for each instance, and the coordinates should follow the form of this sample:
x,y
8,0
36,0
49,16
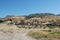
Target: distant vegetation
x,y
39,15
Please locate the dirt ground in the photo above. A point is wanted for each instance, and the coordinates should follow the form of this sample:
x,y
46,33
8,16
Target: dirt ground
x,y
14,36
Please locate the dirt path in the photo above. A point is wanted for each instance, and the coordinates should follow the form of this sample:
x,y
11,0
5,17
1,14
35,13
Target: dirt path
x,y
22,35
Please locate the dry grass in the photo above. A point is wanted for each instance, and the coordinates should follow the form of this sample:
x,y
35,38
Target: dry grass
x,y
8,28
44,33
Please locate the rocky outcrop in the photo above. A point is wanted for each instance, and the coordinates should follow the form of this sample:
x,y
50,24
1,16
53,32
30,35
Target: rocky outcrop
x,y
32,22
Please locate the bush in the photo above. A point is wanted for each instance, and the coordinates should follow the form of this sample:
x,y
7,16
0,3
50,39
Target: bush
x,y
1,21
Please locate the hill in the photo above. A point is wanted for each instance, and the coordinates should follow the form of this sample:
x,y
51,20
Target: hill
x,y
33,20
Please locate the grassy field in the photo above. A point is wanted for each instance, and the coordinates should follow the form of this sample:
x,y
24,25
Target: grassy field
x,y
53,33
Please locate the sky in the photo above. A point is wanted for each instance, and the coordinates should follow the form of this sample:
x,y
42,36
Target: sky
x,y
25,7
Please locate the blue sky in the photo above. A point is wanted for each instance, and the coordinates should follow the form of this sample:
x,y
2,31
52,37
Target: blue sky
x,y
25,7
